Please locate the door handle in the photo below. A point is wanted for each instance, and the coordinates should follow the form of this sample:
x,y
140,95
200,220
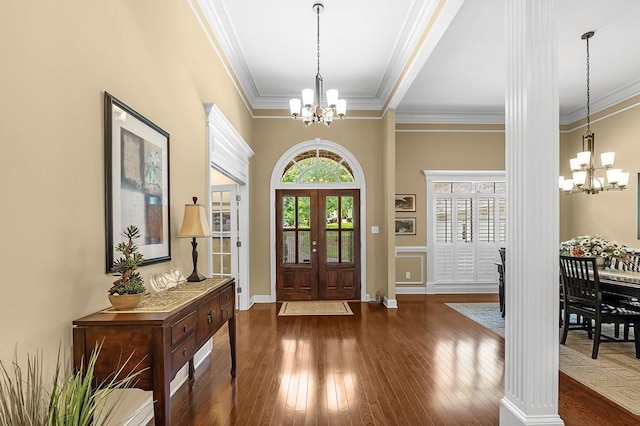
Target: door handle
x,y
314,250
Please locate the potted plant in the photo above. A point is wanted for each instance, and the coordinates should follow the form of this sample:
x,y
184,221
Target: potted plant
x,y
129,287
74,399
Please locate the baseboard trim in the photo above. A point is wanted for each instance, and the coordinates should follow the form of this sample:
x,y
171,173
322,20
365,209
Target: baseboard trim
x,y
411,290
260,298
461,288
511,415
390,303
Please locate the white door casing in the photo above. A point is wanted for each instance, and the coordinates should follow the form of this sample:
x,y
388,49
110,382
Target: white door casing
x,y
229,153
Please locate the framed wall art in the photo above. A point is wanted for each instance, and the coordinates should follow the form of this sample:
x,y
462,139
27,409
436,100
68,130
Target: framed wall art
x,y
136,182
405,202
405,226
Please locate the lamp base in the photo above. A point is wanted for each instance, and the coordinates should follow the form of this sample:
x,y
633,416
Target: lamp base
x,y
196,276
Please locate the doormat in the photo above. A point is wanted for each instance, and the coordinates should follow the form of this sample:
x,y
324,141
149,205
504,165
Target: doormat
x,y
315,307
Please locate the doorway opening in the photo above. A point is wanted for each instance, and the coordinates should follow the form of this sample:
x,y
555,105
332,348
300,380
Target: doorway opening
x,y
318,228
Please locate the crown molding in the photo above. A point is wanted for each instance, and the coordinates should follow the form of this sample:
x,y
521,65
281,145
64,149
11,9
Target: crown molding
x,y
619,95
218,19
411,66
449,117
417,19
277,102
412,31
610,100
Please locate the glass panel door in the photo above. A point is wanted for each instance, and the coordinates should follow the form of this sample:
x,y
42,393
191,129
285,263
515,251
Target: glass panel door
x,y
224,221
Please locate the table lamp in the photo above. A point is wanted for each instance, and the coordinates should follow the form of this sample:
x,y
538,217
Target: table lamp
x,y
194,225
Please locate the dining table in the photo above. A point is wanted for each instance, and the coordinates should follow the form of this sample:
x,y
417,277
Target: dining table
x,y
620,282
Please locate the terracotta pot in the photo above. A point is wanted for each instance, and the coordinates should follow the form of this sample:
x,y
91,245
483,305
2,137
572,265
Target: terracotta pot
x,y
125,301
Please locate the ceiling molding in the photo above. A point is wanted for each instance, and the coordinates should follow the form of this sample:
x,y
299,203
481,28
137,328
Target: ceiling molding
x,y
619,95
276,102
412,69
218,19
412,31
449,117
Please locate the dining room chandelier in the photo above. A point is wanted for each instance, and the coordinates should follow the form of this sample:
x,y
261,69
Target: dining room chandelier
x,y
584,179
311,108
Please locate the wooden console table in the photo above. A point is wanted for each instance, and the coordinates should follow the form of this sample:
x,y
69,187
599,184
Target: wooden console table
x,y
160,342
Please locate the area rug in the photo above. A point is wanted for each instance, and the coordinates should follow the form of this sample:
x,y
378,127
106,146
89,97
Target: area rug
x,y
615,374
317,307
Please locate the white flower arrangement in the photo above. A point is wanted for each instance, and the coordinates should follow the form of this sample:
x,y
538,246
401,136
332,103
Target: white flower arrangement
x,y
594,246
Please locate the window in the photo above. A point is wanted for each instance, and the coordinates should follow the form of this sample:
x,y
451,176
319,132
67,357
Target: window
x,y
318,166
466,226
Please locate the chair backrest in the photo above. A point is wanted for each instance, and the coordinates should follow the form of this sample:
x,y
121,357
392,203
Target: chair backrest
x,y
502,252
580,280
632,263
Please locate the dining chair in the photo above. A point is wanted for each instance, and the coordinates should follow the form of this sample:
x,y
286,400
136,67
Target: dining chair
x,y
582,296
630,264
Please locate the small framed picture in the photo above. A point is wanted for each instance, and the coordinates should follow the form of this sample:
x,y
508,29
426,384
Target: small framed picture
x,y
405,226
405,202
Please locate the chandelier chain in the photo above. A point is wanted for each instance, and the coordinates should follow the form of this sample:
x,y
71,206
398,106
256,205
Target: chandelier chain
x,y
318,36
588,94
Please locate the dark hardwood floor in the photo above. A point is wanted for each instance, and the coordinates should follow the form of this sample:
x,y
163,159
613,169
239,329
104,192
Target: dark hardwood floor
x,y
422,364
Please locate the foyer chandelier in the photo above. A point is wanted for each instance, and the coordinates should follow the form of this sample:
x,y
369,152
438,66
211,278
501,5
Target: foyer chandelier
x,y
583,168
311,108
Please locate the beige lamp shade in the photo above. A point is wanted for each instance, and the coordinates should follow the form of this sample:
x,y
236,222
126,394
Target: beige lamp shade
x,y
194,223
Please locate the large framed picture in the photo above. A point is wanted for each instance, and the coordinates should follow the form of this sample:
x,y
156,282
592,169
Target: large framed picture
x,y
405,226
405,202
136,182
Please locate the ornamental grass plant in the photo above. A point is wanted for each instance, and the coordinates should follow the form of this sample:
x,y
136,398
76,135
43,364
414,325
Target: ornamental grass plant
x,y
74,398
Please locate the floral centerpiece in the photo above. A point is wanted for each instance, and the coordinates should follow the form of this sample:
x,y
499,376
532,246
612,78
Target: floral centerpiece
x,y
594,246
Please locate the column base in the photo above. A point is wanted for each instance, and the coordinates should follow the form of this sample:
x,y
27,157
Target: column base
x,y
511,415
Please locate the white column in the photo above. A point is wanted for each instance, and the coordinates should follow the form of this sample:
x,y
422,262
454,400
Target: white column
x,y
532,138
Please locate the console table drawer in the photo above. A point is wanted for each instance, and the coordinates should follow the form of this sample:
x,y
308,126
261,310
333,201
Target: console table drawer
x,y
183,353
181,329
226,312
226,297
209,319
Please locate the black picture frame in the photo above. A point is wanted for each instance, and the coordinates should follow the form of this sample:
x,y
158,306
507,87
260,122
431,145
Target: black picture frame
x,y
136,182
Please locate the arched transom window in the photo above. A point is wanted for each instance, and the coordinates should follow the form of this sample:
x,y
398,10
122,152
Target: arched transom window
x,y
318,166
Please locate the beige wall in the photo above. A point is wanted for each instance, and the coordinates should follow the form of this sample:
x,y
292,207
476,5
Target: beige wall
x,y
57,60
417,150
272,138
611,214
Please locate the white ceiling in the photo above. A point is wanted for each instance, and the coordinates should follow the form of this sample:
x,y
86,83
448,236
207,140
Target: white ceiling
x,y
458,73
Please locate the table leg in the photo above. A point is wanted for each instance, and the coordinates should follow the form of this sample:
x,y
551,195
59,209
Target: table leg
x,y
232,344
